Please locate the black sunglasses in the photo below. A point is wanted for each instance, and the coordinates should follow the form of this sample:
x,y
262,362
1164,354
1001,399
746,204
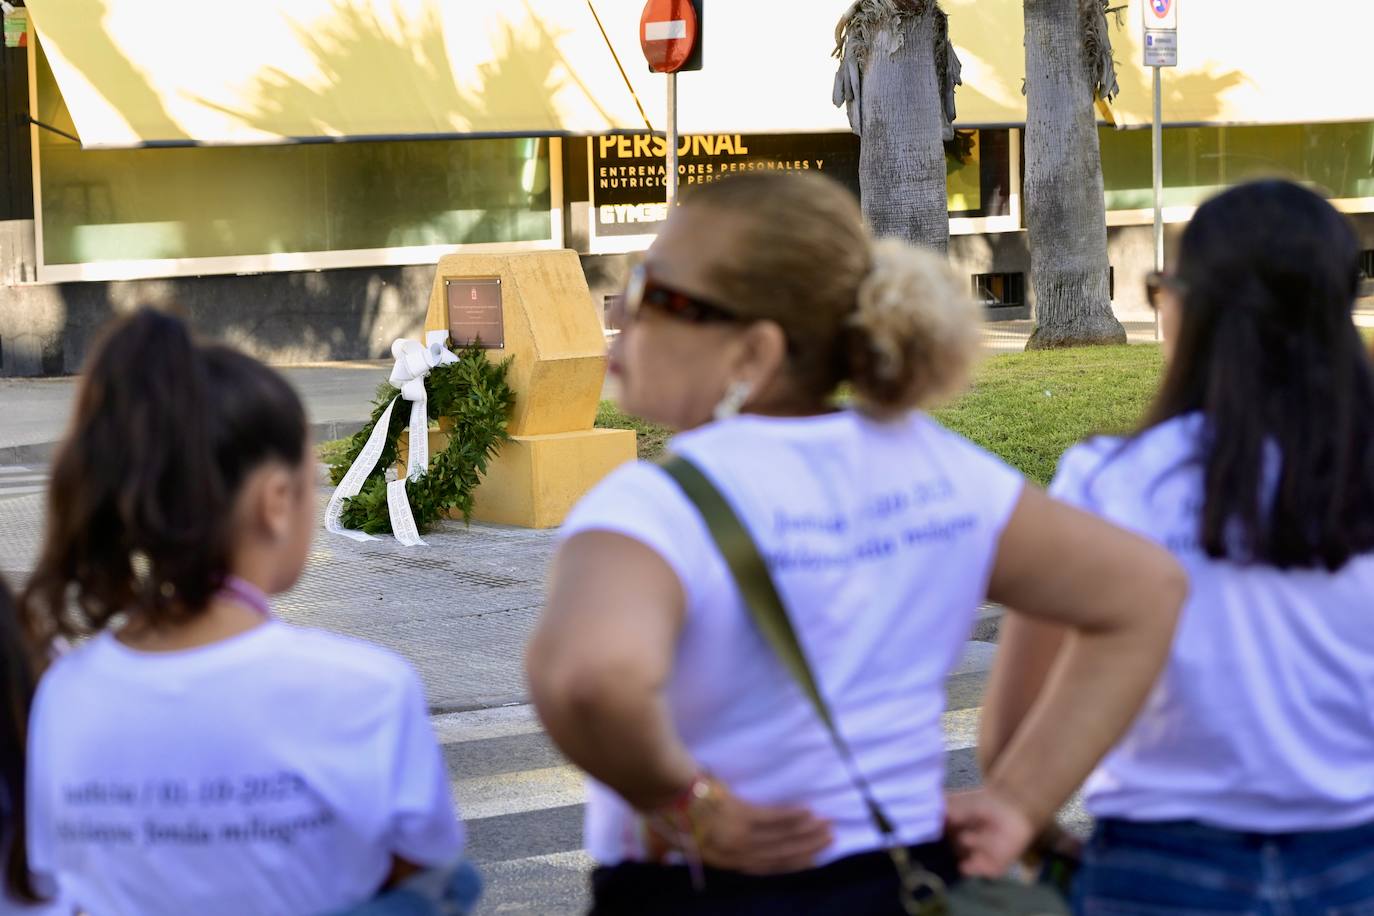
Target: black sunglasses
x,y
1157,281
643,292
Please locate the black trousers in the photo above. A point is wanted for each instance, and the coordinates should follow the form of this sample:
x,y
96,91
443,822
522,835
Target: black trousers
x,y
861,885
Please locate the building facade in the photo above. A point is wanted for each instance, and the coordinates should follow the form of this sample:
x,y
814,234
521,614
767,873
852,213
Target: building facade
x,y
316,238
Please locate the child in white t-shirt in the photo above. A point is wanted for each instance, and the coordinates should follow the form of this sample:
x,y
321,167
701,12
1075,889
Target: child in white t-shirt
x,y
196,755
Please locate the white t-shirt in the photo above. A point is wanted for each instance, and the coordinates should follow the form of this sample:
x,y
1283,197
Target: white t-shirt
x,y
276,772
881,538
1264,718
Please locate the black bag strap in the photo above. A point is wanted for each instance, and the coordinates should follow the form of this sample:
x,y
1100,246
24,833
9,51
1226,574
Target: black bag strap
x,y
769,614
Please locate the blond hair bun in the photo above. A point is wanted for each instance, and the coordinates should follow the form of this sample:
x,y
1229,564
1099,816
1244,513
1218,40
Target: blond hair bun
x,y
915,330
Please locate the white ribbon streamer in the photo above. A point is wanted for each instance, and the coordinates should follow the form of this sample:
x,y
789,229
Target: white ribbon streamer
x,y
414,361
357,475
402,520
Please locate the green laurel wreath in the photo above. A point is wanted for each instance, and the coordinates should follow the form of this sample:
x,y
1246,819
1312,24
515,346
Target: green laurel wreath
x,y
474,394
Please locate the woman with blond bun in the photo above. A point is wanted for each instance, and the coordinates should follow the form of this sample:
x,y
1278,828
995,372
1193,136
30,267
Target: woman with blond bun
x,y
716,786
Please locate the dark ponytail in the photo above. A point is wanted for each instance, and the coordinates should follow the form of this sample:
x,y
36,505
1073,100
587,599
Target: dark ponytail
x,y
16,695
143,488
1267,351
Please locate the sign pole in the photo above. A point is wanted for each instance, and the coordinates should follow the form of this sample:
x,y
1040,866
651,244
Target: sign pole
x,y
1161,50
1157,148
671,183
670,34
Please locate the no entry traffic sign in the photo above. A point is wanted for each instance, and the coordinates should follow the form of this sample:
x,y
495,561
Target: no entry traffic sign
x,y
1161,14
668,33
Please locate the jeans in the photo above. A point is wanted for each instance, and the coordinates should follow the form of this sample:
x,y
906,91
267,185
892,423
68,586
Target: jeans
x,y
1189,869
450,890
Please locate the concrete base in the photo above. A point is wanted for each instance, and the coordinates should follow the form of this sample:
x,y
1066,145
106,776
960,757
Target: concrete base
x,y
534,481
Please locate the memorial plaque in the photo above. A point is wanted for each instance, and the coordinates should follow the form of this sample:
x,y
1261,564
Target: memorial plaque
x,y
474,312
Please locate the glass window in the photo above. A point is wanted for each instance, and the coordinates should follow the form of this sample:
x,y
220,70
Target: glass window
x,y
1338,159
979,163
108,205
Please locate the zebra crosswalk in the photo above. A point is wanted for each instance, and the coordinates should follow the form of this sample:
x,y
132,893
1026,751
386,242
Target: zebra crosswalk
x,y
523,804
18,480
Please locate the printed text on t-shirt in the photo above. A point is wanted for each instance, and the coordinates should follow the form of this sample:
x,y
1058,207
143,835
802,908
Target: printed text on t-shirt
x,y
275,807
888,523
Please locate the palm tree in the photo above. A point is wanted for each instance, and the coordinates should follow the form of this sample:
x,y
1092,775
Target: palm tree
x,y
896,78
1068,69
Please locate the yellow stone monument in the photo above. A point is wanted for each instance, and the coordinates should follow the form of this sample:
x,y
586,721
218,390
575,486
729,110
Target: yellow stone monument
x,y
535,307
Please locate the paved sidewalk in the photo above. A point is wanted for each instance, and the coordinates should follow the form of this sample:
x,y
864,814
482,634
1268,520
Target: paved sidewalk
x,y
34,411
1011,336
460,609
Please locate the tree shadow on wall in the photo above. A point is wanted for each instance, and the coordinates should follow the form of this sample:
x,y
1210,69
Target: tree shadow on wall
x,y
1201,94
413,193
106,188
84,307
357,193
103,63
1004,54
406,193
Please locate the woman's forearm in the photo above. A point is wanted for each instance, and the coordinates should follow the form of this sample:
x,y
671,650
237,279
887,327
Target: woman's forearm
x,y
1114,597
1026,654
623,738
598,662
1098,684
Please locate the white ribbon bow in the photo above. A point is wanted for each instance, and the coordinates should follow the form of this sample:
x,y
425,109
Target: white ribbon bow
x,y
414,361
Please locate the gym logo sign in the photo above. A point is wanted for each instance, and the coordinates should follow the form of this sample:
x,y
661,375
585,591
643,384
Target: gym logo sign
x,y
627,173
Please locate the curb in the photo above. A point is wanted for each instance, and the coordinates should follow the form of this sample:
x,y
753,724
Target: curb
x,y
42,452
29,453
334,429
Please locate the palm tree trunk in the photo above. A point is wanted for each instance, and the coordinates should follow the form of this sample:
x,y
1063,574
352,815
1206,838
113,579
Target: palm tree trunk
x,y
899,109
1066,211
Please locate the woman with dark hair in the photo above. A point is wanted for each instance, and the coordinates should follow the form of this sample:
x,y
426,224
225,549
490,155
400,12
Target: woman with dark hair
x,y
196,755
718,786
1247,784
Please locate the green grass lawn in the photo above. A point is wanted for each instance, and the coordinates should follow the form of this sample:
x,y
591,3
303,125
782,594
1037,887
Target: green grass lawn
x,y
1029,407
651,438
1026,407
332,451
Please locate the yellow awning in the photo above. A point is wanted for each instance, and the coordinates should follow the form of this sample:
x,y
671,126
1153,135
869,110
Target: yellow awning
x,y
195,71
135,72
